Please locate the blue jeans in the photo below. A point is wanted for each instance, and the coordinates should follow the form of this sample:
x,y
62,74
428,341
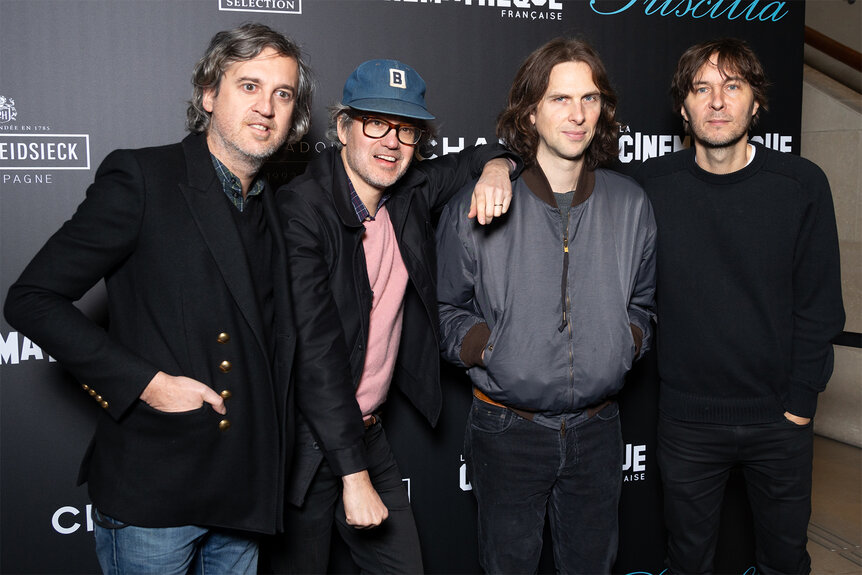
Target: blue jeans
x,y
695,460
521,471
128,550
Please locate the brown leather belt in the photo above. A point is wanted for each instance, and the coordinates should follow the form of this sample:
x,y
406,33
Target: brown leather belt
x,y
370,421
529,415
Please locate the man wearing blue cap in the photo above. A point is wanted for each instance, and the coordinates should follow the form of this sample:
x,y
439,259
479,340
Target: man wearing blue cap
x,y
362,268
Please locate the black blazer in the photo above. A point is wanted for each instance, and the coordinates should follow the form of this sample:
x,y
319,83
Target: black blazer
x,y
157,226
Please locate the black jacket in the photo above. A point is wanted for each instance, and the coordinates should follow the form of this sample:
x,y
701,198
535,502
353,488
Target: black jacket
x,y
332,297
158,227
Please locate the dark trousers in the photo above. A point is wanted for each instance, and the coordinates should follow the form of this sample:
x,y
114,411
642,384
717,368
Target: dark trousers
x,y
393,547
696,460
521,471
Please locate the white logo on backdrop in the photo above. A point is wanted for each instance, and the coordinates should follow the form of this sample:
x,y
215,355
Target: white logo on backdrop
x,y
528,10
66,520
639,147
15,349
8,113
271,6
44,151
462,477
634,465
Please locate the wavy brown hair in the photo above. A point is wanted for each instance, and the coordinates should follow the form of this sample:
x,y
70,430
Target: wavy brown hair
x,y
531,82
733,58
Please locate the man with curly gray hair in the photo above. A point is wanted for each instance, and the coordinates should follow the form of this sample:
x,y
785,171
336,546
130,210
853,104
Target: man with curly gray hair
x,y
192,376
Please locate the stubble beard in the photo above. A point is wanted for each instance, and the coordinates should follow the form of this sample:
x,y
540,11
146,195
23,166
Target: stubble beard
x,y
252,159
367,175
727,142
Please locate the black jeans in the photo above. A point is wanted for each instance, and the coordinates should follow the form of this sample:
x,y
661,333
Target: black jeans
x,y
696,460
522,471
392,547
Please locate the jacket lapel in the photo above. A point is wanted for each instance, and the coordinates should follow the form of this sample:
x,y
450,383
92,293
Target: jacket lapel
x,y
211,213
340,190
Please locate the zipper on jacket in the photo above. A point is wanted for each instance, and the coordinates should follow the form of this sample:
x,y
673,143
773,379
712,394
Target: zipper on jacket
x,y
563,280
566,303
571,354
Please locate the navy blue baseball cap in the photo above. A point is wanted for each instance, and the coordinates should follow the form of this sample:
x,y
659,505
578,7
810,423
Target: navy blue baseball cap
x,y
386,87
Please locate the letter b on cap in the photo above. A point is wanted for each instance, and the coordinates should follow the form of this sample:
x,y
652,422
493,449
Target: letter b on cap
x,y
397,79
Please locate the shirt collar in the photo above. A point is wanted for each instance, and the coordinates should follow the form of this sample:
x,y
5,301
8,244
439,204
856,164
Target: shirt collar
x,y
232,186
361,211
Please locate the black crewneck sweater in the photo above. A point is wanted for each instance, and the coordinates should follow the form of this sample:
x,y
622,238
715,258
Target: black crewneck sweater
x,y
748,287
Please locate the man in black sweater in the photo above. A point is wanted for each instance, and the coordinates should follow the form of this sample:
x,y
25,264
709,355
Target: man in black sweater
x,y
749,297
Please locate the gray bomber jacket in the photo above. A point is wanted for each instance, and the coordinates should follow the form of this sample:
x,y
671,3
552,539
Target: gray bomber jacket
x,y
558,328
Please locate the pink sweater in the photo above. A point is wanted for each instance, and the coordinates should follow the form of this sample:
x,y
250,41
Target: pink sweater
x,y
388,278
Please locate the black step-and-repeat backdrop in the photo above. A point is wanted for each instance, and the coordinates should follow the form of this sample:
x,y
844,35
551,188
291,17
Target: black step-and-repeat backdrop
x,y
79,78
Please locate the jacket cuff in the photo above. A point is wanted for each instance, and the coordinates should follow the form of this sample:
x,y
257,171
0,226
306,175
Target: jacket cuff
x,y
347,460
494,150
516,164
474,343
638,336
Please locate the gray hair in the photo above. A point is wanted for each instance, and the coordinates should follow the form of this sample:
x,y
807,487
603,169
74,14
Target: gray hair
x,y
240,45
335,113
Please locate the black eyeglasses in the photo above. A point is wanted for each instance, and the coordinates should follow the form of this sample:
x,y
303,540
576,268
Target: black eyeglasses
x,y
376,128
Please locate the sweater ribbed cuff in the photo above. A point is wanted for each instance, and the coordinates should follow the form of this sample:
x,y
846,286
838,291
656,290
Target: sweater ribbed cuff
x,y
801,401
638,336
474,343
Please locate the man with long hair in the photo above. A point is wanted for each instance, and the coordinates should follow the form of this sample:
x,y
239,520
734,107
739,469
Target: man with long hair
x,y
188,459
548,309
749,297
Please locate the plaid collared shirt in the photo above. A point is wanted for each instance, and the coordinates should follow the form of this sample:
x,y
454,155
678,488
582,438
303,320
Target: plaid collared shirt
x,y
232,187
361,210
